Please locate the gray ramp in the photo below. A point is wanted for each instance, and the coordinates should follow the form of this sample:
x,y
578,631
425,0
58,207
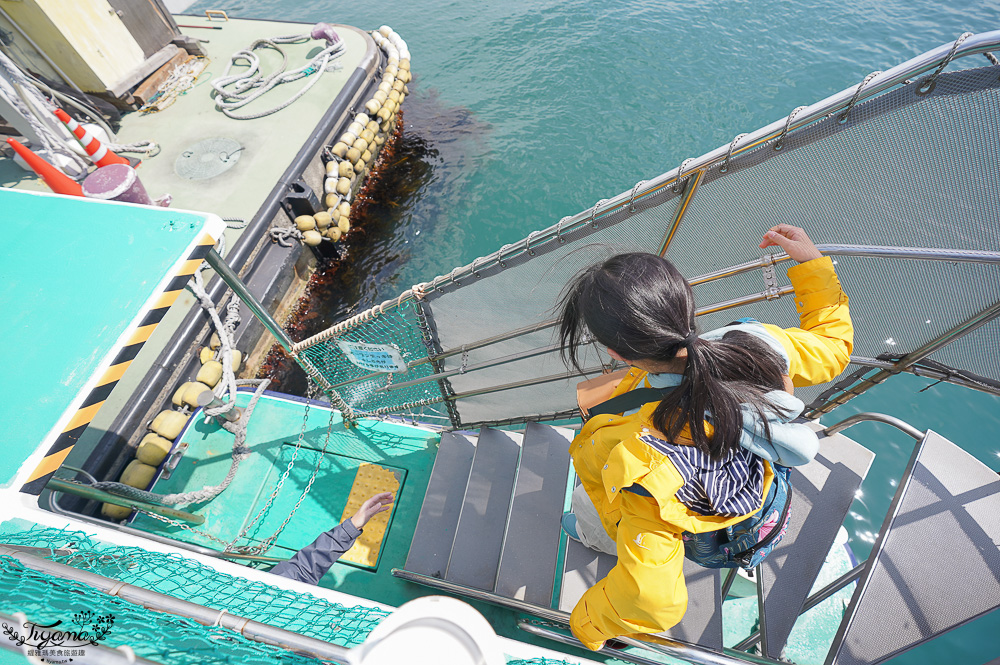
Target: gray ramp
x,y
823,492
702,622
936,563
582,569
475,556
435,530
531,546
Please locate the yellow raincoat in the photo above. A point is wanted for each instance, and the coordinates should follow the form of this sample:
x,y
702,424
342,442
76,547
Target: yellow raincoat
x,y
645,591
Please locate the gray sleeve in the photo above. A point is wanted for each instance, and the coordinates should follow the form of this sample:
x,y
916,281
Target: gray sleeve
x,y
311,562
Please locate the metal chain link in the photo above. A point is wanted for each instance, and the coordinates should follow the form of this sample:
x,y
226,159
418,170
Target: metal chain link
x,y
269,542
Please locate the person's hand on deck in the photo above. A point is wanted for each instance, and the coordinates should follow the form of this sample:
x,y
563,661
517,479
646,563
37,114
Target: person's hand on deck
x,y
793,240
372,507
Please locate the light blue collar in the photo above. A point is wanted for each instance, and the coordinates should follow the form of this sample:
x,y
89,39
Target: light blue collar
x,y
665,380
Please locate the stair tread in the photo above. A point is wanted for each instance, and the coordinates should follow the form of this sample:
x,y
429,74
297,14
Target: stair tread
x,y
475,556
530,551
936,563
823,492
582,569
435,528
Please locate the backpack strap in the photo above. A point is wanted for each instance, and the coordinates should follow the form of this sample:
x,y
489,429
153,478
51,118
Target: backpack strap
x,y
633,399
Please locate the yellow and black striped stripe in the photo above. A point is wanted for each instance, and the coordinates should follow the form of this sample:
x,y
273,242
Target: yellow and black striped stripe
x,y
91,405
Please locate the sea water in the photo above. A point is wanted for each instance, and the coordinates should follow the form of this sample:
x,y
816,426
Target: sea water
x,y
524,112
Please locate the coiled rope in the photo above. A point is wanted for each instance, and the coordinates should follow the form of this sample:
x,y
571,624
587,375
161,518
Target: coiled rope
x,y
252,83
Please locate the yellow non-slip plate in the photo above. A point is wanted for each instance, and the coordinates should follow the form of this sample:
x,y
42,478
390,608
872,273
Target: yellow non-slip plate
x,y
369,481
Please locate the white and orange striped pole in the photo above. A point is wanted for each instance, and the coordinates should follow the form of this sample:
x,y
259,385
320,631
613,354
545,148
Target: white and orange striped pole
x,y
99,153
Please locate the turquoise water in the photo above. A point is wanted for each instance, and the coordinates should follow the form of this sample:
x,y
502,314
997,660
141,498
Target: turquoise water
x,y
525,112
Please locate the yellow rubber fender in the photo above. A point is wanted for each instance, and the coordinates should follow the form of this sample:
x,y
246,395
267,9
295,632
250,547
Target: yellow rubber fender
x,y
113,512
323,218
191,392
210,373
340,149
178,398
153,449
137,474
168,424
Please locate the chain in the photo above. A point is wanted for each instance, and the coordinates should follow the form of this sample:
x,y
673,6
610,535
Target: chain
x,y
269,542
310,393
173,522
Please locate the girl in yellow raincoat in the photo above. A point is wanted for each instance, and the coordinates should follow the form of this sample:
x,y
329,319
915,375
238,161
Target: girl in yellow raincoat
x,y
649,475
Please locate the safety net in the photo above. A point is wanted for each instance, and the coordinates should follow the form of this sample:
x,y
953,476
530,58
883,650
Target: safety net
x,y
896,178
162,637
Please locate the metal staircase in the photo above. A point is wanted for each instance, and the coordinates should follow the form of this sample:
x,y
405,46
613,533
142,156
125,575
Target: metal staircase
x,y
489,530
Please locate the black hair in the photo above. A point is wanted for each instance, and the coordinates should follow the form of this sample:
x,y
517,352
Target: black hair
x,y
642,308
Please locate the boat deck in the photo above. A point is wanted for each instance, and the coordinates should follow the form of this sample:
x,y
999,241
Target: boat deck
x,y
268,146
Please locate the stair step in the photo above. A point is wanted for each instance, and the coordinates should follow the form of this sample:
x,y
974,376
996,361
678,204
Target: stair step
x,y
702,622
936,562
823,492
531,545
475,556
583,568
435,530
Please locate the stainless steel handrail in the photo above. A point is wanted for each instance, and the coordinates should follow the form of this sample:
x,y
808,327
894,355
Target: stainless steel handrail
x,y
691,652
874,417
915,253
252,630
981,43
900,74
961,330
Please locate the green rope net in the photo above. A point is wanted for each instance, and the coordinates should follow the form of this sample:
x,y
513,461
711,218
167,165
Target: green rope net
x,y
35,594
168,638
402,328
164,638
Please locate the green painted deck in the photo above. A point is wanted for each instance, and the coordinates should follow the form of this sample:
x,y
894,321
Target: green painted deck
x,y
59,331
274,431
269,146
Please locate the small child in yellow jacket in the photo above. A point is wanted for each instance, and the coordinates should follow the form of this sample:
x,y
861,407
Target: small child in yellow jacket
x,y
699,459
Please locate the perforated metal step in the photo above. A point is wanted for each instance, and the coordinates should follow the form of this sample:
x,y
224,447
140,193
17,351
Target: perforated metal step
x,y
530,551
936,563
823,492
435,530
475,556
